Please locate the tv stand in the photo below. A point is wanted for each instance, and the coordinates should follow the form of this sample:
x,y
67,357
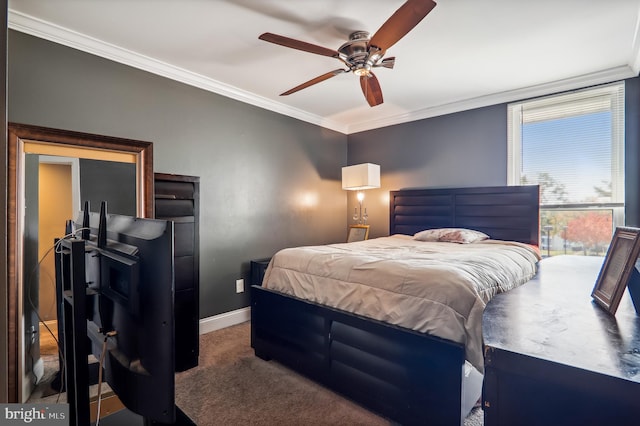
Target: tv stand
x,y
70,275
72,293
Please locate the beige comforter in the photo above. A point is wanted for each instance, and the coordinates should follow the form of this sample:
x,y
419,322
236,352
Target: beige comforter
x,y
433,287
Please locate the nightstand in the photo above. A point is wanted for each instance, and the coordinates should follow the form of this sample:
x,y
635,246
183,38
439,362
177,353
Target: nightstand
x,y
258,268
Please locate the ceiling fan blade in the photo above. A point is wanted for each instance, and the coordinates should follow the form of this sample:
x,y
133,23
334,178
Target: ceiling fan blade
x,y
400,23
371,89
313,81
386,62
300,45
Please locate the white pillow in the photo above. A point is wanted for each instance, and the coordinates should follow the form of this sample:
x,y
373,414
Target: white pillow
x,y
451,235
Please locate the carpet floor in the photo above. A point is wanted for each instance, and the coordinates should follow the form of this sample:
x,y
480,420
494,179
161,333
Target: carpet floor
x,y
231,386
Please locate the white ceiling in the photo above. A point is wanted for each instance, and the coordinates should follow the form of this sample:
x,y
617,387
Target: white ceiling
x,y
464,54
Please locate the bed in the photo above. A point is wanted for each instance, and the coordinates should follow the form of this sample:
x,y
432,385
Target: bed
x,y
409,376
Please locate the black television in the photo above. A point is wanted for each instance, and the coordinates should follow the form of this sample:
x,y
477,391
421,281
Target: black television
x,y
129,283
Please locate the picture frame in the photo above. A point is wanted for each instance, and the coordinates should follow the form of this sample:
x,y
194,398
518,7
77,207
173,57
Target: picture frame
x,y
617,269
357,233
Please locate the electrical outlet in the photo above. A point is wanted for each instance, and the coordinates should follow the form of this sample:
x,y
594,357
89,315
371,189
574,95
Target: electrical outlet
x,y
240,285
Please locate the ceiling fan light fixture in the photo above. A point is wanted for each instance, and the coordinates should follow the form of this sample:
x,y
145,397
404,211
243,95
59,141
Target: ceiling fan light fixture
x,y
361,70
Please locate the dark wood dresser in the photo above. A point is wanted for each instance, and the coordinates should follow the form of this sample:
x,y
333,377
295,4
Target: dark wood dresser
x,y
177,198
554,357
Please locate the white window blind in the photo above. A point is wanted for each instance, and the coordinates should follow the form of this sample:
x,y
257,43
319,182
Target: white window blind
x,y
572,145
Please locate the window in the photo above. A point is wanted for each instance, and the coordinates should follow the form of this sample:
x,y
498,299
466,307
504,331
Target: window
x,y
572,145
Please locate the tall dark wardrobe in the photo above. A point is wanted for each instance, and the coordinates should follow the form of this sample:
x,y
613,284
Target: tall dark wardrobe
x,y
177,198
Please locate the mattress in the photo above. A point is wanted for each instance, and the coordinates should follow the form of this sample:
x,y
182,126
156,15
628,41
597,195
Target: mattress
x,y
438,288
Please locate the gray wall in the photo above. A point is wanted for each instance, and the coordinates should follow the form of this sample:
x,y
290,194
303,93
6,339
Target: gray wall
x,y
632,151
108,181
468,148
266,181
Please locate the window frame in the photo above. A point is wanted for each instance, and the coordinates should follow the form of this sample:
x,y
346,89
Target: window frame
x,y
612,94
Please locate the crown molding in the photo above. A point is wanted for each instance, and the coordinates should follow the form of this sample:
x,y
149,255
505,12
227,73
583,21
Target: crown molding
x,y
45,30
600,77
57,34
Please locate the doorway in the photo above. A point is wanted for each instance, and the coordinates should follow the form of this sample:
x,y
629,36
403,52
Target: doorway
x,y
55,205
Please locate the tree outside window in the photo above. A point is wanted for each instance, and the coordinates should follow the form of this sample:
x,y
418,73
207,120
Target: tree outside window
x,y
572,146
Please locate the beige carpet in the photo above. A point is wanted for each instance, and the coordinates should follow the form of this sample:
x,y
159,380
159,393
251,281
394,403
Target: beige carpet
x,y
231,386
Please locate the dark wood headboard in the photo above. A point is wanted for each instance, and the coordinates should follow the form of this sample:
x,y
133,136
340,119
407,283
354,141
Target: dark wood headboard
x,y
502,212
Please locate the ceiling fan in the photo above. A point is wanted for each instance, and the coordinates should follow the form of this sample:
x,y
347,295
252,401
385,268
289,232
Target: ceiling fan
x,y
361,53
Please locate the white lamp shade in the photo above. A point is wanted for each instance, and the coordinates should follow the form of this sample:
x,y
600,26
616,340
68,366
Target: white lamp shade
x,y
361,176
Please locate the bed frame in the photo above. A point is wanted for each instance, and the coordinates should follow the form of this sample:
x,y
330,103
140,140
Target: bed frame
x,y
406,376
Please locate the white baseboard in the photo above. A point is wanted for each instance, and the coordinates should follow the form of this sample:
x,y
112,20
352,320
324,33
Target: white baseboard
x,y
207,325
227,319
